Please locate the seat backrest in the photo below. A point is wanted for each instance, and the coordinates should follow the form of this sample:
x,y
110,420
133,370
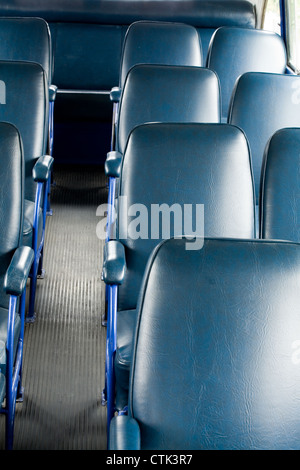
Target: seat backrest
x,y
159,42
280,183
224,346
167,167
12,195
261,104
26,39
24,103
234,51
161,93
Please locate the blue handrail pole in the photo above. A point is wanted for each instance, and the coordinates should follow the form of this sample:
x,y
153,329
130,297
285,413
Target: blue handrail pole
x,y
10,394
283,21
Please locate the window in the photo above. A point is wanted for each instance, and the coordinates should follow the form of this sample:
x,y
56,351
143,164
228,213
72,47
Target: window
x,y
271,20
293,33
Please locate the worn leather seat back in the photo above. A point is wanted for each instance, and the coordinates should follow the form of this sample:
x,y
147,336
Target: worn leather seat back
x,y
24,103
234,51
168,166
161,93
261,104
280,203
224,347
27,39
159,42
11,201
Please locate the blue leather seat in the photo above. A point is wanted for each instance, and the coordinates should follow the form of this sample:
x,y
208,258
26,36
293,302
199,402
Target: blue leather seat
x,y
24,95
280,208
234,51
216,350
161,93
16,261
29,39
156,42
261,104
175,165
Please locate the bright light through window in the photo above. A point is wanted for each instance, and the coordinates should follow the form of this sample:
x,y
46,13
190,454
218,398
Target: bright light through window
x,y
272,17
293,33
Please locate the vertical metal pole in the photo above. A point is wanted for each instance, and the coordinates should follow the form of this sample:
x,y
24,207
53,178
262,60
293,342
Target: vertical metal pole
x,y
283,22
10,401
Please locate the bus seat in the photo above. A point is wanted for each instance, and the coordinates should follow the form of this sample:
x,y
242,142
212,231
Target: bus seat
x,y
167,93
261,104
216,360
156,42
29,39
234,51
280,183
24,94
162,93
16,261
175,165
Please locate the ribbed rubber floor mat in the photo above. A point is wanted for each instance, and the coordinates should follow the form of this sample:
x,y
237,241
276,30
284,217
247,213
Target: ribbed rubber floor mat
x,y
63,372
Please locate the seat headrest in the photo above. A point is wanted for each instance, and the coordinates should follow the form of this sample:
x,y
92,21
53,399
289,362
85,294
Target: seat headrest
x,y
160,43
161,93
26,39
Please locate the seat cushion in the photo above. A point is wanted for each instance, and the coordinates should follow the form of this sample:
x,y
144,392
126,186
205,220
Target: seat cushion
x,y
126,321
28,223
3,336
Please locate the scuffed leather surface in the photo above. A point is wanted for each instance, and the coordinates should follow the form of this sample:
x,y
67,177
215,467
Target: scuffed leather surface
x,y
161,93
26,39
18,271
11,200
179,164
27,108
124,434
261,104
160,43
184,164
216,363
235,51
280,208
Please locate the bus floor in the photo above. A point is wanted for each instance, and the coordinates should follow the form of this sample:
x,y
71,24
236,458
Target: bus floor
x,y
64,349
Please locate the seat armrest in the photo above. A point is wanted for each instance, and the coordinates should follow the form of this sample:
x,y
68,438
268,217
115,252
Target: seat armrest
x,y
115,94
42,168
113,162
124,433
18,270
114,263
52,92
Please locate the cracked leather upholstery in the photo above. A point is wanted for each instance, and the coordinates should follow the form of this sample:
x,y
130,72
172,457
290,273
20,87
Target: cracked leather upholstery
x,y
216,361
180,164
